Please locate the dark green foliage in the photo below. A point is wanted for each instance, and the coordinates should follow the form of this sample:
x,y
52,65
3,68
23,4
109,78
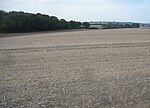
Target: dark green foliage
x,y
73,24
86,24
27,22
135,25
63,24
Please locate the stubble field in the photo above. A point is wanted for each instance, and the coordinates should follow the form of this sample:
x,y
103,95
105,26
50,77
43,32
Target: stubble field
x,y
76,69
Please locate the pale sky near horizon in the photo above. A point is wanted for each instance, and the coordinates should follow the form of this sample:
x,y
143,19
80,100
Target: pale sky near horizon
x,y
85,10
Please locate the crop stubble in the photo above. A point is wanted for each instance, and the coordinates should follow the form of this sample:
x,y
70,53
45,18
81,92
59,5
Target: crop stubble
x,y
79,69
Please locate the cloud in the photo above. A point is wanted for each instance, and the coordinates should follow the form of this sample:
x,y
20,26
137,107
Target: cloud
x,y
75,2
136,10
91,1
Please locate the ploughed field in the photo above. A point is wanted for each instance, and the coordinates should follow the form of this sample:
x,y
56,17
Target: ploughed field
x,y
76,69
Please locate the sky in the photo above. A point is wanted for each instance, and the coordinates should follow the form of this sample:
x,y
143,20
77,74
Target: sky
x,y
85,10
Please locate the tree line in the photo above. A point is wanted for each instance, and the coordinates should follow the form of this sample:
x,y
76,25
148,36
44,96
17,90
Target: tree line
x,y
28,22
113,26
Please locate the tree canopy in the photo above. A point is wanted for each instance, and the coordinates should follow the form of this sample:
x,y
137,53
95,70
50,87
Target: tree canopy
x,y
28,22
86,24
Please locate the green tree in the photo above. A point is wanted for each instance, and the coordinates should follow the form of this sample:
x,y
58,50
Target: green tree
x,y
28,22
63,24
74,24
135,25
86,24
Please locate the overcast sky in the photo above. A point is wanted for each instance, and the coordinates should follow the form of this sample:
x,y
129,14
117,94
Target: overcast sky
x,y
84,10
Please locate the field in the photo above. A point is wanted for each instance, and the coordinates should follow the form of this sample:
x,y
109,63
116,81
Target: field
x,y
76,69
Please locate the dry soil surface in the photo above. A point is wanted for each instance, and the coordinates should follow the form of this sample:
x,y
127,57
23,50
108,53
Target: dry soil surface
x,y
78,69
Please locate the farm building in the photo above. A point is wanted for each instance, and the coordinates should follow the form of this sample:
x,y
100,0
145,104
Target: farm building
x,y
95,27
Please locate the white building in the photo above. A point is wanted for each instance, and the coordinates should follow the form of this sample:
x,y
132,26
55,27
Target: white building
x,y
95,27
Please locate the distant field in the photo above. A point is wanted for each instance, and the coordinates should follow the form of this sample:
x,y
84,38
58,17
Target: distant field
x,y
76,69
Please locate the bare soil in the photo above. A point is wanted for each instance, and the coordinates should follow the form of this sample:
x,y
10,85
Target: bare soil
x,y
78,69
